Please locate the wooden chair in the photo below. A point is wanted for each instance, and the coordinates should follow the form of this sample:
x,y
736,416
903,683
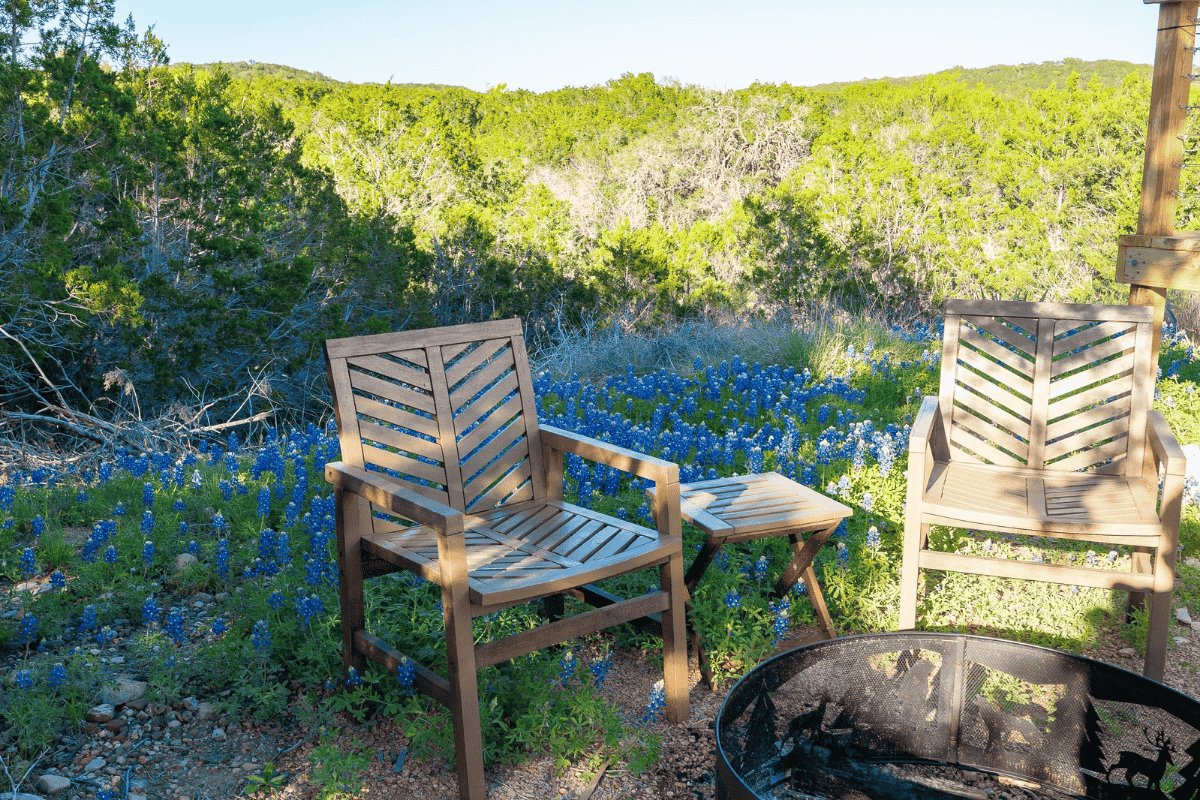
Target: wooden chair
x,y
1043,427
446,473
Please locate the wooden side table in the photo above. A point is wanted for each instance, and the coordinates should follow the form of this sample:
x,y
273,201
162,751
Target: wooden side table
x,y
749,507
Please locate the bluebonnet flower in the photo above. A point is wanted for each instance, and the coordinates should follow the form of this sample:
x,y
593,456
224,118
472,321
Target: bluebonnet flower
x,y
599,669
843,554
759,571
58,580
106,794
28,633
352,678
147,522
174,626
183,531
87,621
260,637
7,495
148,494
57,676
105,635
308,606
1112,556
277,600
150,611
147,552
192,546
218,522
179,505
226,490
81,496
658,701
873,537
733,599
780,618
405,673
24,679
566,668
38,525
264,501
197,479
110,554
868,502
218,626
28,562
119,509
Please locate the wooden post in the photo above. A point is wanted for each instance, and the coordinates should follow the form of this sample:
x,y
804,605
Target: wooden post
x,y
1164,148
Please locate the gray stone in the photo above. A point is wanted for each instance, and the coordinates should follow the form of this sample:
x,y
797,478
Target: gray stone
x,y
185,560
1183,616
218,735
190,704
126,690
202,597
53,784
206,710
20,796
101,713
95,764
1180,639
136,796
1128,652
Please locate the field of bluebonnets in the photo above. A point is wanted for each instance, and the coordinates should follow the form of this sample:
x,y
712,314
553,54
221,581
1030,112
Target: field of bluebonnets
x,y
94,555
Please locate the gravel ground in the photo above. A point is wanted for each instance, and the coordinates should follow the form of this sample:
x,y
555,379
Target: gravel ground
x,y
190,751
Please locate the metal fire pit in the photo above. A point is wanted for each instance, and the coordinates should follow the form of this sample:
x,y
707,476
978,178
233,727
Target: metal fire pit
x,y
908,715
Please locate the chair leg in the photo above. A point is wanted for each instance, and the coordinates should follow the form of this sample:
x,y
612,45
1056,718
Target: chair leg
x,y
674,634
353,517
1160,609
464,696
1141,563
916,535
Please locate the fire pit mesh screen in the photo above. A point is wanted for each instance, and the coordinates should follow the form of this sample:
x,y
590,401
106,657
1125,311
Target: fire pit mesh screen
x,y
935,715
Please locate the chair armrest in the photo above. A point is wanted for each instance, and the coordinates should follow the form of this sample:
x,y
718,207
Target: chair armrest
x,y
656,469
1164,445
387,492
929,431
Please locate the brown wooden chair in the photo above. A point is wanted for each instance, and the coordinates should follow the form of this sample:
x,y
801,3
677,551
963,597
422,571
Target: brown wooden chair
x,y
1043,427
446,473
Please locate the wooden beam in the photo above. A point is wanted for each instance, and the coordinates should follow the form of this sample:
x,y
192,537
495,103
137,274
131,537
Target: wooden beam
x,y
1164,148
1158,266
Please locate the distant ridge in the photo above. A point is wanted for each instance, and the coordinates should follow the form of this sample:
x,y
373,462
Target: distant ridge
x,y
1019,79
251,70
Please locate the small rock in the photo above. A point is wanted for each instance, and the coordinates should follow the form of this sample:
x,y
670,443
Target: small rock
x,y
218,735
202,597
126,691
1128,652
95,764
137,703
21,796
1180,639
1183,616
115,725
174,724
53,784
206,710
185,560
1192,562
136,796
101,713
191,704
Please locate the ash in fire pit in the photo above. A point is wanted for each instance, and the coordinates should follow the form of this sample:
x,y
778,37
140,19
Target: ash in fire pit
x,y
913,715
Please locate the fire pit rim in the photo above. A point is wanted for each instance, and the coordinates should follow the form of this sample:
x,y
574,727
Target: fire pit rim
x,y
725,763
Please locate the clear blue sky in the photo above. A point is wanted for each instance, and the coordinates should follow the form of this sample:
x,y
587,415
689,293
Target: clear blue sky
x,y
543,45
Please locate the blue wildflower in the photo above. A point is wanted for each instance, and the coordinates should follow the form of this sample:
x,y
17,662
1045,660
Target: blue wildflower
x,y
87,621
658,701
38,525
873,537
352,678
110,554
24,679
566,668
405,673
58,580
57,676
147,552
733,599
148,494
175,626
150,611
218,626
260,637
28,633
28,562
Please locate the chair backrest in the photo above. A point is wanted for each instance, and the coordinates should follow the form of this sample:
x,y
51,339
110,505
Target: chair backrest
x,y
1052,386
450,411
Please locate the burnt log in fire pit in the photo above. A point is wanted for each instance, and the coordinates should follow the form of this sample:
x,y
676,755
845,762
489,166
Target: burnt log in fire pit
x,y
928,715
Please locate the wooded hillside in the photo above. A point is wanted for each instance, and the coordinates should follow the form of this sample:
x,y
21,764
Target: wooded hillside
x,y
177,238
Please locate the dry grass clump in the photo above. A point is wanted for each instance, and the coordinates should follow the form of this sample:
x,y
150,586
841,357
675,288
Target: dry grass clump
x,y
816,337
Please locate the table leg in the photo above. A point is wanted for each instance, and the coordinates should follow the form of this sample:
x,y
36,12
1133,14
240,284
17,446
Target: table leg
x,y
709,550
801,566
